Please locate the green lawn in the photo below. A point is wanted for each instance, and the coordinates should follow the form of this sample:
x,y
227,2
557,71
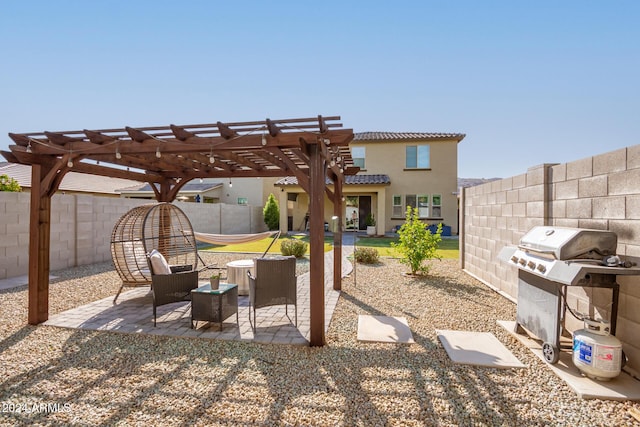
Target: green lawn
x,y
448,247
260,245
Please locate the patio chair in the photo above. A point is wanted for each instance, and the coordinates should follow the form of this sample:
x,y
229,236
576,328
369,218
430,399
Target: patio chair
x,y
169,283
273,284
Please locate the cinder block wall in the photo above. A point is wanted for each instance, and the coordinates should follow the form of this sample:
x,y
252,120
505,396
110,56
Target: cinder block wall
x,y
600,192
81,227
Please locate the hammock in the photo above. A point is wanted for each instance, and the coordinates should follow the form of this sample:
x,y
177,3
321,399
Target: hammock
x,y
232,239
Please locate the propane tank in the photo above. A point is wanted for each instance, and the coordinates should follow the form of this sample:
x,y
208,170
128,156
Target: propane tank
x,y
596,352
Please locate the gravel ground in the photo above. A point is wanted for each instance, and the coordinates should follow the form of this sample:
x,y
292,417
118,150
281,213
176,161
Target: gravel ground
x,y
53,376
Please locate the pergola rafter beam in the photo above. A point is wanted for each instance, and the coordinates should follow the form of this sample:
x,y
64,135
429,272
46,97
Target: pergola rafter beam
x,y
225,131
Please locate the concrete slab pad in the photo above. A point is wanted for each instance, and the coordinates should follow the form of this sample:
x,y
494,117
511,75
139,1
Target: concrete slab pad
x,y
622,388
384,329
477,348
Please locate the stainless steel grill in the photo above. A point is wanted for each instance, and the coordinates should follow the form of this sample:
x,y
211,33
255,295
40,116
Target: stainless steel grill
x,y
551,258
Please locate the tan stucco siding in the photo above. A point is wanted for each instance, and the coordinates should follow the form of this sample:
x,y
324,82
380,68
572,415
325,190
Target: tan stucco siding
x,y
441,178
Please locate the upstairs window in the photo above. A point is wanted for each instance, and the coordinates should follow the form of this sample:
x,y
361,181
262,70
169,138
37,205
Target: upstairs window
x,y
358,154
418,157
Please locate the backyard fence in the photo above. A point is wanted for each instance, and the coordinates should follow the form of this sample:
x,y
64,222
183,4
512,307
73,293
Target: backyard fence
x,y
600,192
81,227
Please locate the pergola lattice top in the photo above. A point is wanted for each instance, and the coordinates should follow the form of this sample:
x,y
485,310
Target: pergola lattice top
x,y
240,149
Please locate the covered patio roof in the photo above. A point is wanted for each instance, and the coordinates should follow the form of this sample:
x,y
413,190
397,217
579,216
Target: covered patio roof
x,y
313,150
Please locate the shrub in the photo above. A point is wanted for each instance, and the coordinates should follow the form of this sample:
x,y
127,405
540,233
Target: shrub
x,y
9,184
370,220
366,255
271,213
416,243
293,247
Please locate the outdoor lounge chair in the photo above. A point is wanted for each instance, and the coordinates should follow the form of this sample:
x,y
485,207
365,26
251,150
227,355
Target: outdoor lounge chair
x,y
273,284
169,283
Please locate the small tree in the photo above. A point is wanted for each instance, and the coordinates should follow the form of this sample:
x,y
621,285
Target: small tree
x,y
417,243
9,184
271,213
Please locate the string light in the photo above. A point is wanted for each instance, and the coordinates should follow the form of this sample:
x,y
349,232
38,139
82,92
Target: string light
x,y
230,184
29,147
211,158
264,139
118,155
201,180
70,163
158,154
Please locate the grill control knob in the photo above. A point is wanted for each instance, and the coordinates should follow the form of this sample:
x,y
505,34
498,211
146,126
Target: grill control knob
x,y
522,261
514,259
541,268
531,265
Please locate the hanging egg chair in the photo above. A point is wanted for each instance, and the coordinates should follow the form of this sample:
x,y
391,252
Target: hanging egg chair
x,y
160,226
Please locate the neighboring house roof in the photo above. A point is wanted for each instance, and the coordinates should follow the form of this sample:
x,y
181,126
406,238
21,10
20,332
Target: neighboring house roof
x,y
406,136
375,179
190,187
72,181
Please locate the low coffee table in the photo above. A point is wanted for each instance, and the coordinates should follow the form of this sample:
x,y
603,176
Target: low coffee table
x,y
214,305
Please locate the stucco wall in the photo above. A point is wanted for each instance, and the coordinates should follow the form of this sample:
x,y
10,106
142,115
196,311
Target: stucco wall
x,y
442,177
81,227
600,192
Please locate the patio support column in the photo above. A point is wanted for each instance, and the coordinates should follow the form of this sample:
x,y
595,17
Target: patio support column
x,y
337,235
316,232
282,201
39,240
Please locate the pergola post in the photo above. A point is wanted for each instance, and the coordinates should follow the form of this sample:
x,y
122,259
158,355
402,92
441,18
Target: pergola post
x,y
39,239
337,235
317,185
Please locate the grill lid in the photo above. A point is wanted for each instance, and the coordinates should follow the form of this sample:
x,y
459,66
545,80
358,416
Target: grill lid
x,y
569,243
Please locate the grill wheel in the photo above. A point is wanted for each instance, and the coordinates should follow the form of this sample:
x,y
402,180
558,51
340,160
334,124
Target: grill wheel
x,y
551,353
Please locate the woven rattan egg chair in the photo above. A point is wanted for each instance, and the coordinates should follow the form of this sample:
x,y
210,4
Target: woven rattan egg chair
x,y
165,228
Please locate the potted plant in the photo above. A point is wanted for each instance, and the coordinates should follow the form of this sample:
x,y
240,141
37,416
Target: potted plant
x,y
215,280
370,222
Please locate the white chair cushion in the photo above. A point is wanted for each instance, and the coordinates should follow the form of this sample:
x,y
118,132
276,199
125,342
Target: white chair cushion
x,y
159,263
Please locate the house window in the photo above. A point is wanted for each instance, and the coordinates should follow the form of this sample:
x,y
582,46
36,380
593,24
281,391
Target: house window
x,y
437,206
419,202
243,201
398,208
423,206
410,200
358,153
418,157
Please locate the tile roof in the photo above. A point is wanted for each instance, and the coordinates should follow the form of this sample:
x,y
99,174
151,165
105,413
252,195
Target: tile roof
x,y
404,136
375,179
72,181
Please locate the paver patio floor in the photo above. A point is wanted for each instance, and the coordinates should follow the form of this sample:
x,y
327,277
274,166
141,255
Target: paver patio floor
x,y
132,313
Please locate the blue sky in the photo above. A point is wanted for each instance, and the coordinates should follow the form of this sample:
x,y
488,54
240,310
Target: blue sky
x,y
528,82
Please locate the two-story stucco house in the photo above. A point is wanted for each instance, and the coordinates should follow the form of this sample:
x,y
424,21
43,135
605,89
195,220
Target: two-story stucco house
x,y
397,169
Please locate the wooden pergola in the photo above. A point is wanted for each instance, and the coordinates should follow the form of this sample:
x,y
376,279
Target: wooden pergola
x,y
167,157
